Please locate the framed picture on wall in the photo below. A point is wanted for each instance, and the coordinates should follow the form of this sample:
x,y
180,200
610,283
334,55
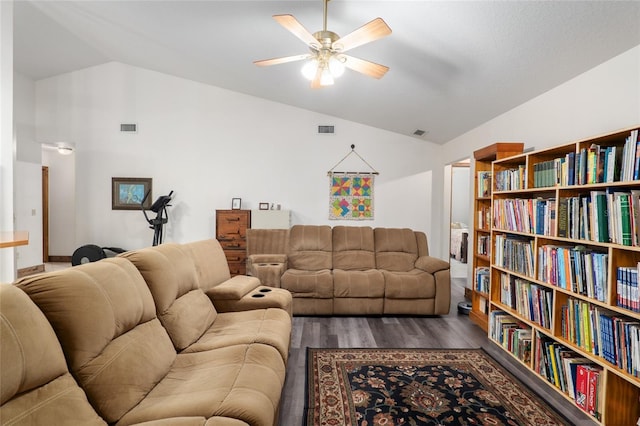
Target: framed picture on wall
x,y
236,204
127,193
263,206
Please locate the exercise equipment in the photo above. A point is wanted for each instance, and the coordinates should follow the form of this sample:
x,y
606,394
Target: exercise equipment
x,y
93,253
162,217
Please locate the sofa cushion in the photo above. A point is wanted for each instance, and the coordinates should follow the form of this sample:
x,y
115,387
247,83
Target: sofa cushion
x,y
243,382
267,241
396,249
104,316
210,262
35,385
267,326
314,284
310,247
415,284
358,283
182,307
353,248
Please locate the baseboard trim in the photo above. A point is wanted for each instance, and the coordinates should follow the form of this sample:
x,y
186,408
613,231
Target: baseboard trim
x,y
60,259
30,270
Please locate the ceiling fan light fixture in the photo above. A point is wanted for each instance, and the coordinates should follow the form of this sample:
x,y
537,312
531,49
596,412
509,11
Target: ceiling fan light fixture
x,y
327,59
326,78
336,66
65,150
309,69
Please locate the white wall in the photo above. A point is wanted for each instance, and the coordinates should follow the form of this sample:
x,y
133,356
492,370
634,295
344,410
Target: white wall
x,y
601,100
28,203
460,195
62,202
7,152
210,145
27,172
24,118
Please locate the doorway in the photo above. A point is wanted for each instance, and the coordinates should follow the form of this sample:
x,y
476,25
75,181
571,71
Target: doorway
x,y
459,217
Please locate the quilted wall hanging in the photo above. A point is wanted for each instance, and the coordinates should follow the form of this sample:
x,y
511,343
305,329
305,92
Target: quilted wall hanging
x,y
351,193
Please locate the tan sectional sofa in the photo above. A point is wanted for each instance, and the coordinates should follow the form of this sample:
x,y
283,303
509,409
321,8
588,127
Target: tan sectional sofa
x,y
351,270
142,339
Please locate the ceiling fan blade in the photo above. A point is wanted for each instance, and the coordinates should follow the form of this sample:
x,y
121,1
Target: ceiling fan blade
x,y
283,60
365,67
296,28
315,83
369,32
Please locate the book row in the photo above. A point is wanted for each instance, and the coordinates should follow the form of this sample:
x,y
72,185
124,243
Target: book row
x,y
574,375
603,333
484,184
577,268
577,377
511,179
484,217
533,302
514,253
608,216
611,216
533,216
482,279
484,245
511,334
596,164
627,293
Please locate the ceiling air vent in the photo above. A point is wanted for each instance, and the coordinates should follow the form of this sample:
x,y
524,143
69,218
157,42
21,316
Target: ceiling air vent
x,y
325,129
419,132
129,128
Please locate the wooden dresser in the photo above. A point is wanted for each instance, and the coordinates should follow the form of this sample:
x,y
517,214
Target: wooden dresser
x,y
231,232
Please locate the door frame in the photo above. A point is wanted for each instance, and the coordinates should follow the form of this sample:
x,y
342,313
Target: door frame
x,y
45,214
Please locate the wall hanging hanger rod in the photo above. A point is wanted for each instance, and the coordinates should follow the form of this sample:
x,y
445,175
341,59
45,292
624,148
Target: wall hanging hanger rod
x,y
353,151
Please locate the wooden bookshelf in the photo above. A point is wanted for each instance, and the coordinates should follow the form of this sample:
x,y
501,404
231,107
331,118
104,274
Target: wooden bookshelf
x,y
565,246
481,223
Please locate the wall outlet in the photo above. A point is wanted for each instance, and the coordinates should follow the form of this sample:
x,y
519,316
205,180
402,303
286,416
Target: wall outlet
x,y
33,212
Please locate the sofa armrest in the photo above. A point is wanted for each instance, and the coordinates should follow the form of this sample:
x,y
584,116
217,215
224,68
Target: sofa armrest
x,y
268,268
234,288
244,293
431,264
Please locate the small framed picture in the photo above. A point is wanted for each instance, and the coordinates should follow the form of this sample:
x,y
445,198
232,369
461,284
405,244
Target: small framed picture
x,y
236,203
127,193
263,206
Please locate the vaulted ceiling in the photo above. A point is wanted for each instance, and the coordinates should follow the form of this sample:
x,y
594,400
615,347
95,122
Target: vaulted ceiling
x,y
453,64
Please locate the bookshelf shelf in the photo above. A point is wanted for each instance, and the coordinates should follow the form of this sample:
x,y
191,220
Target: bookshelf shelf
x,y
482,221
564,264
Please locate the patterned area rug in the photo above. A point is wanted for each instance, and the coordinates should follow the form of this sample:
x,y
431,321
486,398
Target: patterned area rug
x,y
368,387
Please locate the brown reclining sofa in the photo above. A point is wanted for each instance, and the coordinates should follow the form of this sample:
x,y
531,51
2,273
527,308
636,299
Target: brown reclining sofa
x,y
159,336
351,270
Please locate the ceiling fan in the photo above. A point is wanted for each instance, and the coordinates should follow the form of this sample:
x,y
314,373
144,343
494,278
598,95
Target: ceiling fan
x,y
327,59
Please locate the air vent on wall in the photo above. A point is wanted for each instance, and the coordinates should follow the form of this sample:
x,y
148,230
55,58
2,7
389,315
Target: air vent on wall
x,y
325,129
129,128
419,132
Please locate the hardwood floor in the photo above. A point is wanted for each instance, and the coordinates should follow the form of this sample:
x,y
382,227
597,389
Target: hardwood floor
x,y
447,331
